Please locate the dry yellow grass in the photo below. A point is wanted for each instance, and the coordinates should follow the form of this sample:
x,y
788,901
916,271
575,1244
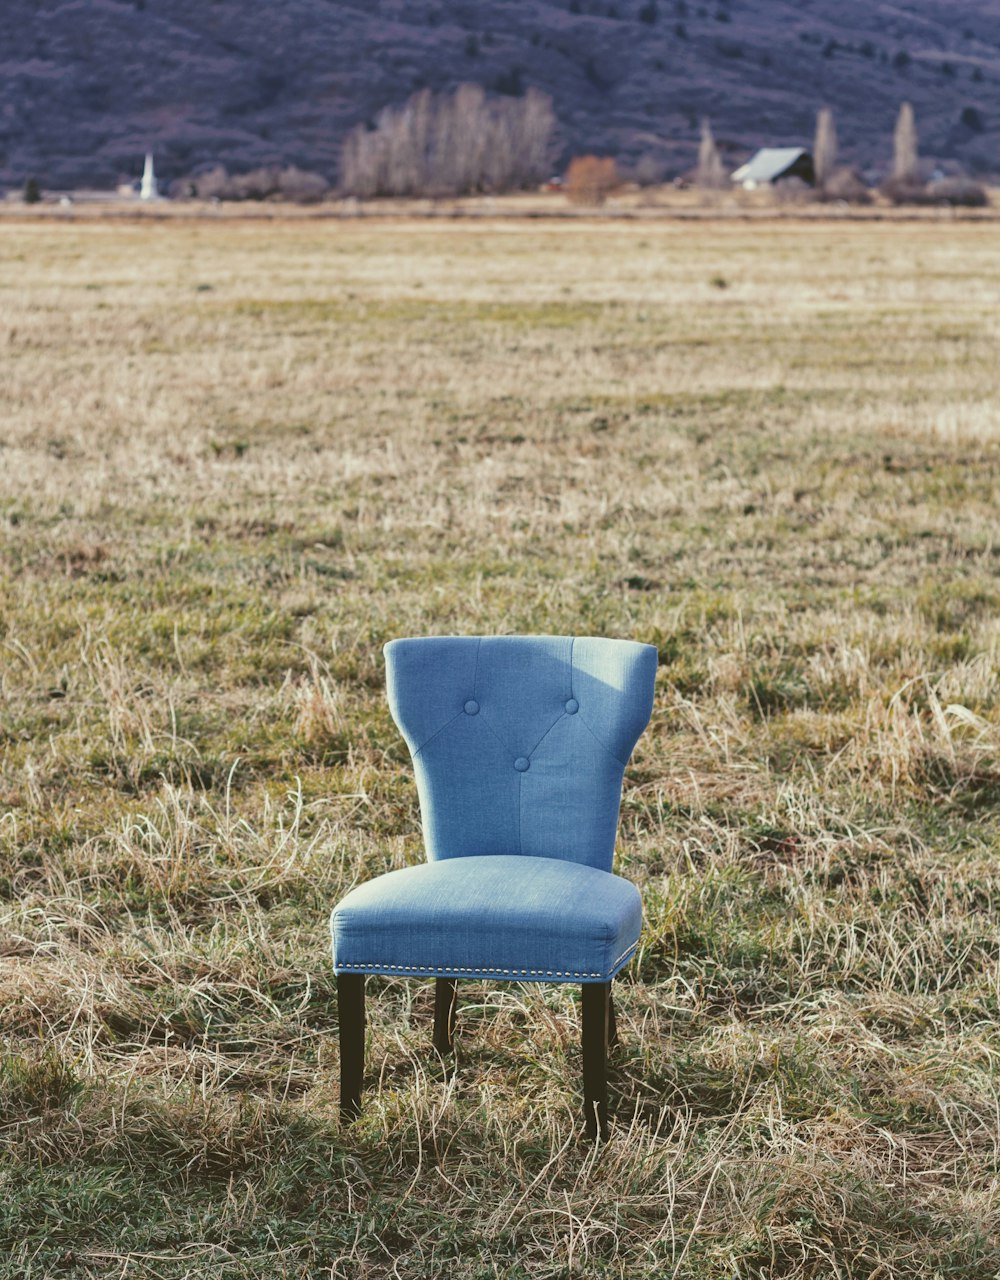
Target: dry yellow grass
x,y
235,459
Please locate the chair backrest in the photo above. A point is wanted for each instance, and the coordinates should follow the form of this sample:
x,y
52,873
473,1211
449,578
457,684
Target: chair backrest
x,y
519,743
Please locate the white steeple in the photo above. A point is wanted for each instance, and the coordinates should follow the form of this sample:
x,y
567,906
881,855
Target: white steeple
x,y
148,190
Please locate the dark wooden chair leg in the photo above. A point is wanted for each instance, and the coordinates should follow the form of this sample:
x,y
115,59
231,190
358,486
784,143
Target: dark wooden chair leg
x,y
595,1058
351,1012
612,1020
445,1008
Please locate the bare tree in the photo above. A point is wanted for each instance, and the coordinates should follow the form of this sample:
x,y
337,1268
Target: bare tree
x,y
906,160
500,159
460,140
416,126
825,147
451,145
401,164
359,162
711,175
536,126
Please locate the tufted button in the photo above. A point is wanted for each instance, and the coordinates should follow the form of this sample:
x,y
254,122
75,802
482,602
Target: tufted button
x,y
522,764
471,707
572,707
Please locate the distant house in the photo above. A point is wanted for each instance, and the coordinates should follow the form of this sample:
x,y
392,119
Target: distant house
x,y
772,164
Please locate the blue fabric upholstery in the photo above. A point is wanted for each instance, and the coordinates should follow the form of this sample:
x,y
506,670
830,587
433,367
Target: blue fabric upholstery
x,y
519,746
519,743
502,917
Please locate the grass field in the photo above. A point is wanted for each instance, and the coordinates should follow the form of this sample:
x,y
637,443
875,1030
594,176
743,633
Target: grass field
x,y
235,459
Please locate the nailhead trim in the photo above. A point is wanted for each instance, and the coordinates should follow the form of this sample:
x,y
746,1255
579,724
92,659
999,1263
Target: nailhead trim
x,y
456,968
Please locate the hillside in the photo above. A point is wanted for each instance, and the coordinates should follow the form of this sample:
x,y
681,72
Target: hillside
x,y
86,86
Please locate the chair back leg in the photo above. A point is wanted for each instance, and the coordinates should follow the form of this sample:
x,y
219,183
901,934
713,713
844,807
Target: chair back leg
x,y
596,996
612,1020
445,1009
351,1013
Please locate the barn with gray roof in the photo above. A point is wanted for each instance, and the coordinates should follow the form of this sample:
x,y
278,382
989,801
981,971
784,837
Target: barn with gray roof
x,y
774,164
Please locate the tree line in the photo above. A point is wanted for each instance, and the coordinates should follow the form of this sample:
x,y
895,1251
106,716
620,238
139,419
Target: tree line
x,y
451,145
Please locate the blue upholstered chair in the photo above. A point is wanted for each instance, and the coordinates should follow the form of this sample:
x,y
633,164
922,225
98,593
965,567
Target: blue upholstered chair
x,y
519,744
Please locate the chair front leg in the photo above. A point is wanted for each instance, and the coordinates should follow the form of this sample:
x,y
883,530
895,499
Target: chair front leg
x,y
445,1009
596,997
351,1012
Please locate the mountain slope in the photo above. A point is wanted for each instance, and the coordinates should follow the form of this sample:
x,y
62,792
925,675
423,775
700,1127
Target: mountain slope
x,y
86,86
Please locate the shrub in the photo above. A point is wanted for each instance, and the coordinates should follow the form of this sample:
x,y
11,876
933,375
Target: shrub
x,y
592,71
510,83
958,191
649,171
793,191
213,184
591,179
300,186
906,190
32,191
255,184
844,184
267,183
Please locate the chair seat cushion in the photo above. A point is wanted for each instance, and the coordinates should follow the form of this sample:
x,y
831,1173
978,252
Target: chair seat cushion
x,y
510,918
